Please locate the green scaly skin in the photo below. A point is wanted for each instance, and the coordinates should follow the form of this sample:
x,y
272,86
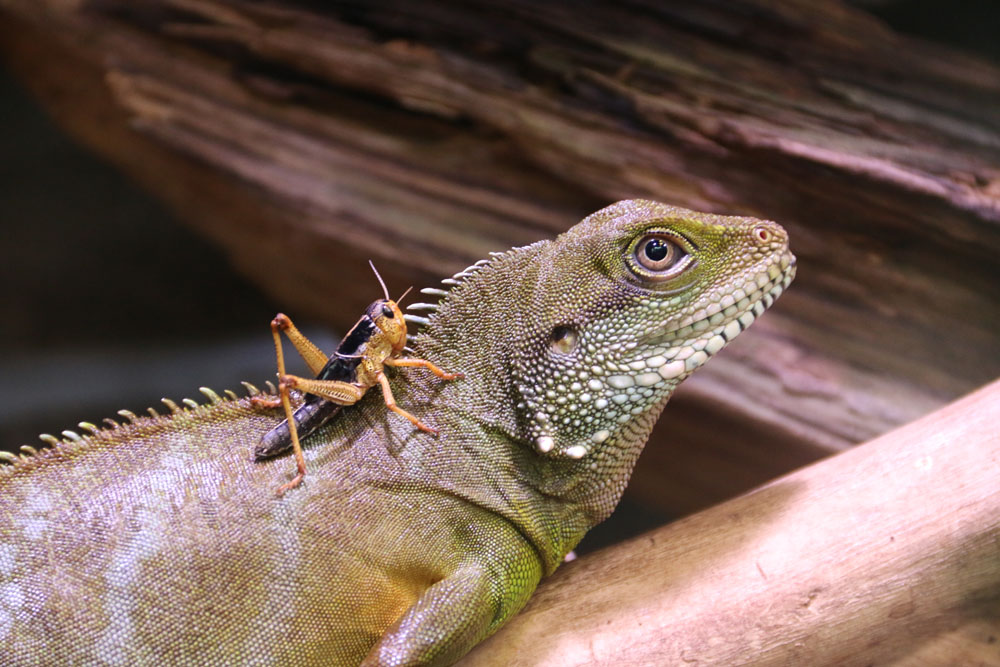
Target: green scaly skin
x,y
161,542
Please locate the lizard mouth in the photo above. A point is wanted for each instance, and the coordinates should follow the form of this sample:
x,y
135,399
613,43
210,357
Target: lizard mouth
x,y
692,340
757,301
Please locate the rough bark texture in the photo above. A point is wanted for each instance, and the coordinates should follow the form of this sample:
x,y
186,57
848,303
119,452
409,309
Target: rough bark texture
x,y
886,554
305,136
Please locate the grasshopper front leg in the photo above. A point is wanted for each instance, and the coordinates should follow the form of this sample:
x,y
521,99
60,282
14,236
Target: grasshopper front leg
x,y
390,402
411,362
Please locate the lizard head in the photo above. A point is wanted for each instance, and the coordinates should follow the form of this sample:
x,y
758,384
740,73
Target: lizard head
x,y
571,347
625,306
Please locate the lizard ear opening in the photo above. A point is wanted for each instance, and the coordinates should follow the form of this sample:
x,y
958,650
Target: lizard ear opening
x,y
564,339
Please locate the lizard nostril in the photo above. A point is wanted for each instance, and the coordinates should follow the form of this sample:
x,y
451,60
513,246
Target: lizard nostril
x,y
763,234
564,339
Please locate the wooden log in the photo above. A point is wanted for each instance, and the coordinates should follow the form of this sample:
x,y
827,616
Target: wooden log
x,y
887,553
423,135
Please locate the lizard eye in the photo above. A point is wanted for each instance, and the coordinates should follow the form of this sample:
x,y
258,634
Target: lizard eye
x,y
658,256
386,311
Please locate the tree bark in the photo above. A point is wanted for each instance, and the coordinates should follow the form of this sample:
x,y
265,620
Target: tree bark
x,y
885,554
301,136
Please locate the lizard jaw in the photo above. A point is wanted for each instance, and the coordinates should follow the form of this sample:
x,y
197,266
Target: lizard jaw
x,y
692,340
656,366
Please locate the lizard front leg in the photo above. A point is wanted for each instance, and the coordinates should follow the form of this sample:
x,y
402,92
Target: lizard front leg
x,y
458,612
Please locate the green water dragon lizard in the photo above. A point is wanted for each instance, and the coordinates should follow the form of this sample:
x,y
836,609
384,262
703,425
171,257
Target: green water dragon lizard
x,y
161,541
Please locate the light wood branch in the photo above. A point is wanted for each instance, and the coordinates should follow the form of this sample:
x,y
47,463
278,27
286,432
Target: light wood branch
x,y
883,554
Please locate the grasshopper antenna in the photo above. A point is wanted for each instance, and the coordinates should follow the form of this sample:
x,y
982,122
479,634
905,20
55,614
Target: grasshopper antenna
x,y
380,281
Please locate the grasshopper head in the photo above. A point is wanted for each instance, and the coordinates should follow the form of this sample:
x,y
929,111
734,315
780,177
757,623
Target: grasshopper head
x,y
388,318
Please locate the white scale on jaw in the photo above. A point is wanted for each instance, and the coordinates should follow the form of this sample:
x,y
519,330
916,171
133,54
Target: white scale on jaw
x,y
615,391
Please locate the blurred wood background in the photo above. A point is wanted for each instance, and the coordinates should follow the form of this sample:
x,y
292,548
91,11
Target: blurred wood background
x,y
304,137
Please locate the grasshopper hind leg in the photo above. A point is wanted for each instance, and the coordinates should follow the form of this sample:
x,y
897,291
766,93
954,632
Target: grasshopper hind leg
x,y
314,359
300,461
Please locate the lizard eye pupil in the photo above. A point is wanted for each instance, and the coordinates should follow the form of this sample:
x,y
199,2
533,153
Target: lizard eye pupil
x,y
656,250
386,311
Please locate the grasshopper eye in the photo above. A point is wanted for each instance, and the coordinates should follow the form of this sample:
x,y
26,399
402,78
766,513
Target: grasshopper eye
x,y
659,256
386,311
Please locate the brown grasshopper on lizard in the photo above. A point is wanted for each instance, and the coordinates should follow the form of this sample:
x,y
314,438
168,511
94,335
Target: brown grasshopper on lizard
x,y
375,341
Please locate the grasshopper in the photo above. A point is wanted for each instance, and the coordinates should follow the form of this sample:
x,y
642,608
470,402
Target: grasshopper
x,y
357,365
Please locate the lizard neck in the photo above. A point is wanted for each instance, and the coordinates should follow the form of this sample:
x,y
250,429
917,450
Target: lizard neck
x,y
572,347
477,330
487,327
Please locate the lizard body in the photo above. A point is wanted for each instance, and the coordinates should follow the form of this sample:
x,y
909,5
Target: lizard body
x,y
161,541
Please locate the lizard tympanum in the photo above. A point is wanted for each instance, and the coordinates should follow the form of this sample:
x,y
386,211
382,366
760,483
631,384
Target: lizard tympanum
x,y
161,541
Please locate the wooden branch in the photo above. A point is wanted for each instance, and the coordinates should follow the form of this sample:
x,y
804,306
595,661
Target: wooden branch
x,y
423,135
875,555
